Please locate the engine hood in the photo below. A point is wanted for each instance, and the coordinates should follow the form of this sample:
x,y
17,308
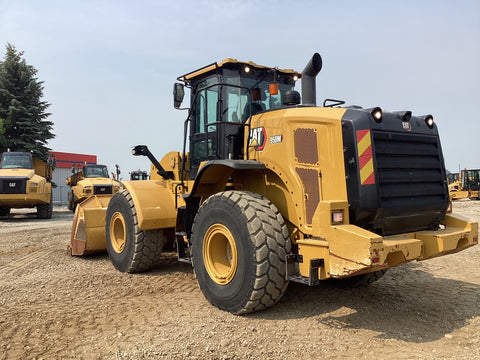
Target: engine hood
x,y
29,173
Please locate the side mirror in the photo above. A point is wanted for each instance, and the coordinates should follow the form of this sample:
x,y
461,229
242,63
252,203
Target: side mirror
x,y
178,94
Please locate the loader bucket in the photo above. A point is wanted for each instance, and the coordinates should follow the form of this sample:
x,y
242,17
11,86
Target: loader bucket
x,y
88,228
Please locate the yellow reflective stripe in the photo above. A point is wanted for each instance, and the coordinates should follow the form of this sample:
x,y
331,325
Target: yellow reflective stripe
x,y
366,171
364,144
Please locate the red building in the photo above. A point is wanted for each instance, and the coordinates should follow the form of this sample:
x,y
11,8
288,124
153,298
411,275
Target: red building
x,y
66,160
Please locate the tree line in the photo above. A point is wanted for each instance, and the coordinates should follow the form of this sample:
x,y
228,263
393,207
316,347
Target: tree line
x,y
23,112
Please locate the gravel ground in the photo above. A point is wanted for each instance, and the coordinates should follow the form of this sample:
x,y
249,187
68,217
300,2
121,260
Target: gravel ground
x,y
54,306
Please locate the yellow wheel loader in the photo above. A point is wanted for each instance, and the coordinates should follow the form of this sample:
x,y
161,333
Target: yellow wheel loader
x,y
471,183
456,191
91,180
25,182
273,189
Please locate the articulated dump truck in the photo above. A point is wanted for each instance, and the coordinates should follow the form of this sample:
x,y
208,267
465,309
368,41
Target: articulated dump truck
x,y
25,182
274,188
92,179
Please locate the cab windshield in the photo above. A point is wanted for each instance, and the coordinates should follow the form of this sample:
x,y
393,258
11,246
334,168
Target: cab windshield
x,y
16,161
95,171
238,108
237,100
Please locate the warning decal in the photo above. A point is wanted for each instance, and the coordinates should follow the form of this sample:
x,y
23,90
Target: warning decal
x,y
365,157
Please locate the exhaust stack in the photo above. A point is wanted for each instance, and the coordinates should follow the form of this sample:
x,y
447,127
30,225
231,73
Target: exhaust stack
x,y
309,97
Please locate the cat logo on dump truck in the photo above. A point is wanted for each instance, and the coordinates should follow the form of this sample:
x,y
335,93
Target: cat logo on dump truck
x,y
258,138
365,157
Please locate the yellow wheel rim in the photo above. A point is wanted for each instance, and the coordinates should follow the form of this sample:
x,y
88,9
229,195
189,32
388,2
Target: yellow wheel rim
x,y
118,233
220,254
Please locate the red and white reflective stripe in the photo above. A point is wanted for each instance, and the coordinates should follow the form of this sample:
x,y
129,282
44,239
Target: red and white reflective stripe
x,y
365,157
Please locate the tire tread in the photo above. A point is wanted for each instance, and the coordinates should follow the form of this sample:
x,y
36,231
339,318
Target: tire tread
x,y
148,244
271,241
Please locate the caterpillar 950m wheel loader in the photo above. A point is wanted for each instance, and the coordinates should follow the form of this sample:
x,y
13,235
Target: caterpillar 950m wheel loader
x,y
274,190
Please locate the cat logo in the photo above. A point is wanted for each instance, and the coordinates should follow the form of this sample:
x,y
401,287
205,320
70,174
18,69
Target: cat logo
x,y
12,184
406,126
258,138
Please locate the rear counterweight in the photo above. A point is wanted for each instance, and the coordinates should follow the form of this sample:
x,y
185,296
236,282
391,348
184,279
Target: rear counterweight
x,y
396,178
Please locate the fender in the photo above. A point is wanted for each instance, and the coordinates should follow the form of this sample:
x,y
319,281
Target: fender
x,y
154,203
218,171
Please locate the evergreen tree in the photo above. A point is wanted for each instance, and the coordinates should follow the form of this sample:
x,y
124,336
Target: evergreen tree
x,y
2,131
21,107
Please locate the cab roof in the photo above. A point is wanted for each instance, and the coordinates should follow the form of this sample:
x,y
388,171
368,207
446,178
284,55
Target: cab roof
x,y
229,61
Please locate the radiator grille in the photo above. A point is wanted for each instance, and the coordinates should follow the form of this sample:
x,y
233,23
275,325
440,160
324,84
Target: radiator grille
x,y
102,189
13,185
410,173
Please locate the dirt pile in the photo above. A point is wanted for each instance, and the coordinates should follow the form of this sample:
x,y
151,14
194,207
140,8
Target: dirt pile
x,y
55,306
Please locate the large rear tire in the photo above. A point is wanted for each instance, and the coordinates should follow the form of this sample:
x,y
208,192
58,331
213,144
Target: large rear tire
x,y
130,249
239,245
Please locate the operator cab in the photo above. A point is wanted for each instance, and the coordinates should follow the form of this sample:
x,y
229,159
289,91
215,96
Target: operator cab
x,y
224,96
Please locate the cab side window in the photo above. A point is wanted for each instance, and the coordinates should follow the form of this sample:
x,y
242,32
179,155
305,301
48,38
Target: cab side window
x,y
203,138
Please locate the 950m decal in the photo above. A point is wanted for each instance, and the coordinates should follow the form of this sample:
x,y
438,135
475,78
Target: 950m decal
x,y
277,139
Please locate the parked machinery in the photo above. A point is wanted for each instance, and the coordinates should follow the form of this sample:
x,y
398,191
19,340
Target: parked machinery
x,y
455,188
25,182
138,175
471,182
92,179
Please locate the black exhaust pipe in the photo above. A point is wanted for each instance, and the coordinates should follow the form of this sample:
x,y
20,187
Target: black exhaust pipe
x,y
309,97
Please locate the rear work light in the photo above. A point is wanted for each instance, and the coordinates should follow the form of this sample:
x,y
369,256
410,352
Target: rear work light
x,y
429,121
377,114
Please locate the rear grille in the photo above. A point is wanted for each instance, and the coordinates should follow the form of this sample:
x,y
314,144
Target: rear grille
x,y
410,174
13,185
102,189
396,182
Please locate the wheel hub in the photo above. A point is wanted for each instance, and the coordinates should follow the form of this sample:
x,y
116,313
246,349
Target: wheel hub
x,y
118,234
220,254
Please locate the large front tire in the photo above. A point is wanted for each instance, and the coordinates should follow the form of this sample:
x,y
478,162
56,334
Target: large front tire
x,y
45,211
239,245
130,249
72,204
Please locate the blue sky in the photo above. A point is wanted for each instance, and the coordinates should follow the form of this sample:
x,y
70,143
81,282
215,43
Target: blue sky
x,y
109,66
